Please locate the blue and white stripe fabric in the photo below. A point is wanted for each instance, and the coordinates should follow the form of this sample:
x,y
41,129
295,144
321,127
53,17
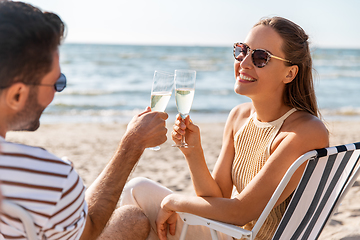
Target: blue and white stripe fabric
x,y
328,176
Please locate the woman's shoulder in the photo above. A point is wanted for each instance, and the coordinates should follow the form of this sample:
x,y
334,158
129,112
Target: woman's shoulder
x,y
300,133
301,119
306,125
243,110
238,115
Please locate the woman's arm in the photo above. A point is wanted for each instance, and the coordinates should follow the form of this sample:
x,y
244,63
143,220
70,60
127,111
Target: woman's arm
x,y
220,184
303,134
203,182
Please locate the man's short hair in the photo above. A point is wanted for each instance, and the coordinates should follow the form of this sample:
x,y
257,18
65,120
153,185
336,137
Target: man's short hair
x,y
28,39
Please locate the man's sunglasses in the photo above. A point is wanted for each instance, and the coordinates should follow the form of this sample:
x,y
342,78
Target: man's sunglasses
x,y
260,57
58,86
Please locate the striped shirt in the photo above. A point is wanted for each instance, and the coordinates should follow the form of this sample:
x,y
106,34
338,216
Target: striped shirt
x,y
47,187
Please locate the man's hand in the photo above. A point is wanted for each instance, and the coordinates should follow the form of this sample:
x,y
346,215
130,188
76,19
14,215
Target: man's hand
x,y
147,129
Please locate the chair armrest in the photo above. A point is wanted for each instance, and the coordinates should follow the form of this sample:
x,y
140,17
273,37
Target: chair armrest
x,y
226,228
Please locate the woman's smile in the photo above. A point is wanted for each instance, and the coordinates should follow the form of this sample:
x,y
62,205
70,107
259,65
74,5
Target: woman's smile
x,y
245,78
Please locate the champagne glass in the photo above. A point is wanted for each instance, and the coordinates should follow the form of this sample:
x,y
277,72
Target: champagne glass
x,y
161,90
184,95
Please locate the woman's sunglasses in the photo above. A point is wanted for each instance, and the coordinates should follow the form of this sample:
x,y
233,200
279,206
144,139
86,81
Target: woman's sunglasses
x,y
260,57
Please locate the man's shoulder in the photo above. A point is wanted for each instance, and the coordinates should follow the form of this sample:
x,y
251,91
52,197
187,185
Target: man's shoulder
x,y
47,186
18,150
36,171
36,158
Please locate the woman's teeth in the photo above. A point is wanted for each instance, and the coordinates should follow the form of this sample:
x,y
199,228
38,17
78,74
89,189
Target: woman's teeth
x,y
246,78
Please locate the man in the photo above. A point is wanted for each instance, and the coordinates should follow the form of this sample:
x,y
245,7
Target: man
x,y
46,186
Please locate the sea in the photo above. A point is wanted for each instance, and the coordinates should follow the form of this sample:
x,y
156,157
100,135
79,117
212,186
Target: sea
x,y
112,83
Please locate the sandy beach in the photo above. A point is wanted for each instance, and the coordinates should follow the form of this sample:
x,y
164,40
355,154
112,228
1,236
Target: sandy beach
x,y
89,146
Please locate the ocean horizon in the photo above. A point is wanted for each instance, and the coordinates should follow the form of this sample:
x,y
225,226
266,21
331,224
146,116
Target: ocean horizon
x,y
111,83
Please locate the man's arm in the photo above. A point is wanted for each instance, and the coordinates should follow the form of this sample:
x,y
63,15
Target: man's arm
x,y
147,129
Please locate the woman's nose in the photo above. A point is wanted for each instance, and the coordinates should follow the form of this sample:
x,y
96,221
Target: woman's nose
x,y
246,62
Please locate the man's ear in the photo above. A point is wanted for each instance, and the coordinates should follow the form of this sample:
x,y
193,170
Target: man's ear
x,y
292,72
16,96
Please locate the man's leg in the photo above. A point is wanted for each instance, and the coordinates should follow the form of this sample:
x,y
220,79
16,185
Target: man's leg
x,y
127,223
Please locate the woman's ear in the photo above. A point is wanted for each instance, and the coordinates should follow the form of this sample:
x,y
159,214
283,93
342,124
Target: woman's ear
x,y
292,72
17,95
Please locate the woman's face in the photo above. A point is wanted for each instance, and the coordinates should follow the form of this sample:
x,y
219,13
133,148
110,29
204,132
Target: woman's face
x,y
269,81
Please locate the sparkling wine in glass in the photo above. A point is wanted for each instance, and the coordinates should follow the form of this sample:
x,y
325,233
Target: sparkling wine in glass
x,y
184,95
162,86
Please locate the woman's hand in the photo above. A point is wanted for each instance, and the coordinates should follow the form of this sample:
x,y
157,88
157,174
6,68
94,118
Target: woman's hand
x,y
165,218
185,127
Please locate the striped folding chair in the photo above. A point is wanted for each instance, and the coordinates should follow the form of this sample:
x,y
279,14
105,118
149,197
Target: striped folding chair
x,y
329,174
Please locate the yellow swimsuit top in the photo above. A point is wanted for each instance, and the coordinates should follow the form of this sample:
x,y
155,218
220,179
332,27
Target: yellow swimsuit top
x,y
252,148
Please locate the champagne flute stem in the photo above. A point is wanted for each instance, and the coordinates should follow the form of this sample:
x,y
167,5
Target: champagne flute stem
x,y
183,143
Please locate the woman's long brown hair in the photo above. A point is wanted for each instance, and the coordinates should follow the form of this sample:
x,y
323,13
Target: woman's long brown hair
x,y
299,93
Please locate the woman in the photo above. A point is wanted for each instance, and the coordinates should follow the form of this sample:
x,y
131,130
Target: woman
x,y
273,67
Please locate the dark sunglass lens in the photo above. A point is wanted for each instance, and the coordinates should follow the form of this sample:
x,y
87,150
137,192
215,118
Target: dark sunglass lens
x,y
240,52
60,83
260,58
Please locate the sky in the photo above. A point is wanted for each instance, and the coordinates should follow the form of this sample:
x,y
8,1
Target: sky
x,y
329,23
